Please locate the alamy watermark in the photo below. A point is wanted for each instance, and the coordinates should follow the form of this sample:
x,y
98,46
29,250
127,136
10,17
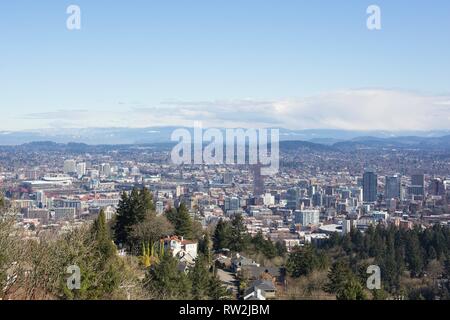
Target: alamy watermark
x,y
227,146
374,19
73,22
374,280
74,280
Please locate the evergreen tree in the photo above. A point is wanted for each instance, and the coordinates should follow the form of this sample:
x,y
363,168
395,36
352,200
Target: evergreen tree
x,y
123,220
222,235
146,201
217,290
357,239
166,282
414,254
95,254
200,279
132,210
378,243
102,236
351,290
280,248
432,255
184,225
205,247
388,265
240,239
337,277
302,261
182,221
264,246
343,283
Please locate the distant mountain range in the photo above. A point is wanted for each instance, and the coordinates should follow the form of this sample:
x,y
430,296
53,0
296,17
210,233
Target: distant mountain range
x,y
320,140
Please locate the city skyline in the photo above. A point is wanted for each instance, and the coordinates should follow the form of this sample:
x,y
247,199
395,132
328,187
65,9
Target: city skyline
x,y
224,152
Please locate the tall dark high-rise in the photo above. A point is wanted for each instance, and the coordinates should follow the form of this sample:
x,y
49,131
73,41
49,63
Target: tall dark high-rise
x,y
392,187
417,187
292,198
258,181
370,186
437,187
417,179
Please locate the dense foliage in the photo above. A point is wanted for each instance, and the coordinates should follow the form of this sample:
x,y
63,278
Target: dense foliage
x,y
413,263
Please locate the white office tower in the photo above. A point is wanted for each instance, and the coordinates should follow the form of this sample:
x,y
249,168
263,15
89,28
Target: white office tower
x,y
346,226
307,217
105,169
269,200
70,166
81,169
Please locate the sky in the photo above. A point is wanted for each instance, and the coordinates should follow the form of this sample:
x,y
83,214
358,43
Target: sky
x,y
276,63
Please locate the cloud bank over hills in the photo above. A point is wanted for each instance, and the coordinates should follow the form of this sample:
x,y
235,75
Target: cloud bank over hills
x,y
360,110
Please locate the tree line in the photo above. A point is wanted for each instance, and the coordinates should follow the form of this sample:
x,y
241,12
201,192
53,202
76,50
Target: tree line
x,y
414,263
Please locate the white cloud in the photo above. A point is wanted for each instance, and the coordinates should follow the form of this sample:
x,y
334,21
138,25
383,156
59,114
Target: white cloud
x,y
364,109
368,109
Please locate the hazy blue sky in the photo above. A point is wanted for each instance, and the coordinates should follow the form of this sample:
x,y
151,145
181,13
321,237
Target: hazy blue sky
x,y
296,64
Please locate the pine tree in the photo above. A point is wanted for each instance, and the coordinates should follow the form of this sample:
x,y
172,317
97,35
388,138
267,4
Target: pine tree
x,y
264,246
281,249
200,279
102,236
343,282
216,290
205,247
123,220
240,239
166,282
388,264
184,226
137,207
258,242
146,202
337,276
414,254
351,290
304,260
182,221
132,210
432,253
222,235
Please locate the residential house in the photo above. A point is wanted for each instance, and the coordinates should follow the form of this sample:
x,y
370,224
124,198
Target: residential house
x,y
240,261
252,272
184,250
260,288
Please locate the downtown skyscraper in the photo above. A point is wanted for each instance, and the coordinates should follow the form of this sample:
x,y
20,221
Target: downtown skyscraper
x,y
370,186
392,187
